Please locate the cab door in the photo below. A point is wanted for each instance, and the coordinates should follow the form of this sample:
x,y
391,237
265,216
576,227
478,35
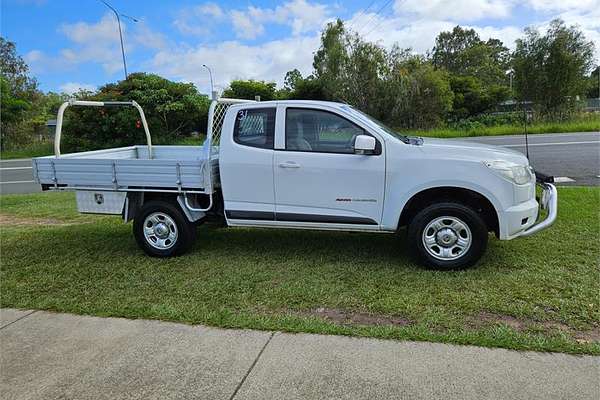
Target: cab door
x,y
319,180
246,165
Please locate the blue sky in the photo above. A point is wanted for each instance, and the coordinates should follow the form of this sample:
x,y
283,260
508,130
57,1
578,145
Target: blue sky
x,y
71,44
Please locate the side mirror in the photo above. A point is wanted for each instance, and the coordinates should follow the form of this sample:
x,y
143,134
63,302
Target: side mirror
x,y
364,144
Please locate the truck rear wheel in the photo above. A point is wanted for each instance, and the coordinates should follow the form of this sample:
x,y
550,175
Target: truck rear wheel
x,y
162,230
448,236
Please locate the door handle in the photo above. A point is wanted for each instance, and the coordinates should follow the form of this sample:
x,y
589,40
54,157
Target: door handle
x,y
289,164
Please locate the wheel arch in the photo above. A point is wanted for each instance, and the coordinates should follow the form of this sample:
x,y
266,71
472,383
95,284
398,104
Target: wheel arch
x,y
473,198
136,200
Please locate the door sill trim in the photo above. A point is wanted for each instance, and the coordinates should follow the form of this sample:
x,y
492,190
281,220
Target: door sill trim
x,y
296,217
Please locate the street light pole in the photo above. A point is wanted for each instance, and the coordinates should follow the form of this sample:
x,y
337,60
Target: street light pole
x,y
212,86
510,74
120,32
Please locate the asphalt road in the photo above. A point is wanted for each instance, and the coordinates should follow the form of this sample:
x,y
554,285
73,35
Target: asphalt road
x,y
16,176
572,156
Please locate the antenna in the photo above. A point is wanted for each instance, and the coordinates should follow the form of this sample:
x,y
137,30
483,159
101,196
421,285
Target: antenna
x,y
526,114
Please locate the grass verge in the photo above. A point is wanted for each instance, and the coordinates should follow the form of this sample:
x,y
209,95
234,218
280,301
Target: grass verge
x,y
47,148
586,125
538,293
35,150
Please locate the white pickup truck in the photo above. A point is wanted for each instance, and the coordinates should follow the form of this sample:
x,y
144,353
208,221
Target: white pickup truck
x,y
307,165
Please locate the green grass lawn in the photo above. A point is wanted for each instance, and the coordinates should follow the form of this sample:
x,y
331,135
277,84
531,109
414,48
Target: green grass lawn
x,y
538,293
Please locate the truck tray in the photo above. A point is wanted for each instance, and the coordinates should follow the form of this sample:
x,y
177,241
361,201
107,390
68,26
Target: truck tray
x,y
180,168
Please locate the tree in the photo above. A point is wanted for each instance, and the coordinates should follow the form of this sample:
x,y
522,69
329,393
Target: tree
x,y
551,69
173,109
450,47
13,109
415,94
290,82
15,71
349,69
593,91
477,70
291,79
461,52
331,57
240,89
471,97
309,88
19,98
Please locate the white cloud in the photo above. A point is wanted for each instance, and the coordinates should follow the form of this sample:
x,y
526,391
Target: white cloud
x,y
96,43
418,32
146,37
418,35
245,26
39,62
306,17
83,33
458,10
507,34
211,10
198,20
34,56
232,60
300,15
587,21
417,23
74,87
563,5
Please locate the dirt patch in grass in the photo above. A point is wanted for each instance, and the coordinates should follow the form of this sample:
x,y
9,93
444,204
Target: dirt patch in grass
x,y
484,319
11,220
344,317
590,336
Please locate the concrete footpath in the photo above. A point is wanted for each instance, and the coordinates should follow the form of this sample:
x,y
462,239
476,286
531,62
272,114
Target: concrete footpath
x,y
61,356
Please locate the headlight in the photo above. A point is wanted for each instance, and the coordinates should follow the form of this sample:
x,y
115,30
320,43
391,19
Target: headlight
x,y
519,174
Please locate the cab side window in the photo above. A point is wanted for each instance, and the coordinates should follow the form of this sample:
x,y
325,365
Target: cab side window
x,y
255,127
319,131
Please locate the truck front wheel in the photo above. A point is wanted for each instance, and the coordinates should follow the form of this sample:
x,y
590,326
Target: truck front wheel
x,y
448,236
162,230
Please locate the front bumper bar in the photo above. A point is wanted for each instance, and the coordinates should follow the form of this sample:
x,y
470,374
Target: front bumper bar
x,y
548,201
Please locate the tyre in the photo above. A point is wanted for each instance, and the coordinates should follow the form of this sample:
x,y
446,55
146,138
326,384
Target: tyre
x,y
162,230
448,236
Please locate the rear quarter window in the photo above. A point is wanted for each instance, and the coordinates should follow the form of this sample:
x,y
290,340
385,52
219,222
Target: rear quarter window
x,y
255,127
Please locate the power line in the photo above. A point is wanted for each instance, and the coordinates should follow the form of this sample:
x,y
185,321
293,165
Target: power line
x,y
363,11
387,3
379,24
